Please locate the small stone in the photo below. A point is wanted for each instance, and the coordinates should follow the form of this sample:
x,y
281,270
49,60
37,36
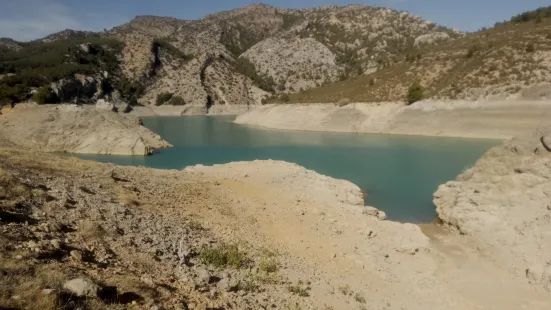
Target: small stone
x,y
82,287
148,280
370,211
16,297
381,215
47,291
76,255
56,243
19,257
203,277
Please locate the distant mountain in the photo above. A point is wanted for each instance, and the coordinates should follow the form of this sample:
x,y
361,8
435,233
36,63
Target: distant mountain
x,y
9,44
68,34
508,61
247,55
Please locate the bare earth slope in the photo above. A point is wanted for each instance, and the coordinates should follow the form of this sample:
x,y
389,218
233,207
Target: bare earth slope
x,y
494,120
77,129
503,204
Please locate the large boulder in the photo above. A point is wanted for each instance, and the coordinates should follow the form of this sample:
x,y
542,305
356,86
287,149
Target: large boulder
x,y
82,287
103,105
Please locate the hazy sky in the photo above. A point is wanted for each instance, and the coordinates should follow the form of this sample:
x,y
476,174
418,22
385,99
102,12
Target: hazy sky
x,y
31,19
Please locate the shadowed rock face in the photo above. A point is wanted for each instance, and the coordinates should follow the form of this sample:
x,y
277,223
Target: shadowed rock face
x,y
504,204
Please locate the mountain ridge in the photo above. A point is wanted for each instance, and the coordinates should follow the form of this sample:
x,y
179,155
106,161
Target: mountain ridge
x,y
251,54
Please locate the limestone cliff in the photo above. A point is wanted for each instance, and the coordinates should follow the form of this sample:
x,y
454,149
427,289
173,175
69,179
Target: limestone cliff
x,y
503,204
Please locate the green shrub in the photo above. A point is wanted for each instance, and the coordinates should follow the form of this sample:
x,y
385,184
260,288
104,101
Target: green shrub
x,y
130,89
176,100
472,51
165,44
247,68
162,98
44,95
284,98
415,93
268,265
359,298
298,290
224,256
534,15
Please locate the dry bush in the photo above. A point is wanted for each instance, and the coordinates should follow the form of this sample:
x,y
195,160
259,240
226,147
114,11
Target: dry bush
x,y
10,187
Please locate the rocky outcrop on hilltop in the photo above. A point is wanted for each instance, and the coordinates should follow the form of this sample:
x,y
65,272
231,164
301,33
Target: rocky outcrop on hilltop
x,y
9,44
289,50
78,129
503,204
68,34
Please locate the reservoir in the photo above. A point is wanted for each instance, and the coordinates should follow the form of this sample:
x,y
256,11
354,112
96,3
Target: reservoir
x,y
399,174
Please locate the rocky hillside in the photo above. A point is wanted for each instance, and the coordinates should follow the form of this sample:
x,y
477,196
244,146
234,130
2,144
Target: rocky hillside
x,y
283,50
508,61
9,45
246,55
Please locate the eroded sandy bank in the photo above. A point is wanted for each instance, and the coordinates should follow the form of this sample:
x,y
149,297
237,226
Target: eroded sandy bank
x,y
492,120
503,204
77,129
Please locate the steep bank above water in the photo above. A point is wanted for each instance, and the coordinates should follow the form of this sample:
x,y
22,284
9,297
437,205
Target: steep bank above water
x,y
77,129
493,120
503,204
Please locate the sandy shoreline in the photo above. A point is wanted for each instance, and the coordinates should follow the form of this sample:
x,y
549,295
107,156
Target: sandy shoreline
x,y
480,120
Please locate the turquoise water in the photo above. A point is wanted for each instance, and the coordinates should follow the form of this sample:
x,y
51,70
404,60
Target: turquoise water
x,y
398,173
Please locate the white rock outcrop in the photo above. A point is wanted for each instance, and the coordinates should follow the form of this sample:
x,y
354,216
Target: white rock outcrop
x,y
504,204
74,129
82,287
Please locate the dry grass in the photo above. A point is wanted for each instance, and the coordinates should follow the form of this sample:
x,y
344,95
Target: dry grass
x,y
10,187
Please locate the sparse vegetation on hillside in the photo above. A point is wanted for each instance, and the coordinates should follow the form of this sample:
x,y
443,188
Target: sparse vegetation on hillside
x,y
44,95
176,100
38,64
165,44
224,256
500,61
247,68
163,97
415,93
535,15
